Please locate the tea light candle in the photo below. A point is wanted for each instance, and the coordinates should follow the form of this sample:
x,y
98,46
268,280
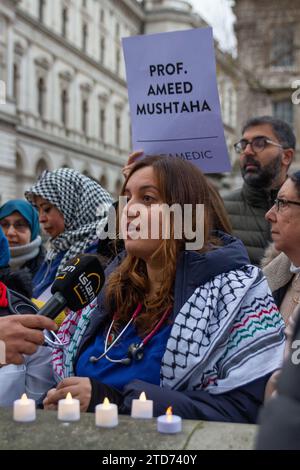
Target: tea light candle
x,y
69,409
106,414
142,408
24,410
169,423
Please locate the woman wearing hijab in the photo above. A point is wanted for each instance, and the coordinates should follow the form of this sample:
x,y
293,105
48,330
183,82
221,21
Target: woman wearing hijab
x,y
71,207
20,224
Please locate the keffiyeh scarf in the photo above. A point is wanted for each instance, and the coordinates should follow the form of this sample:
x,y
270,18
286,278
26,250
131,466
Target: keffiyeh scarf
x,y
83,203
229,333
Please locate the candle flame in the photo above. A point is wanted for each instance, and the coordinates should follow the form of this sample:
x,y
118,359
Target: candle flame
x,y
143,396
106,402
69,398
169,413
24,397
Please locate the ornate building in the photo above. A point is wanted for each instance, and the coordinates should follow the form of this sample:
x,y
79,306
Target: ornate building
x,y
63,95
268,35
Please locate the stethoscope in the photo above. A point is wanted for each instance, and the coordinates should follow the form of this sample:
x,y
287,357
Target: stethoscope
x,y
135,350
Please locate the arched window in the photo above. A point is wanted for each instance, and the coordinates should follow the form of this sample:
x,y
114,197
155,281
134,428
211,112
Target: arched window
x,y
103,181
118,60
19,175
40,167
64,107
102,118
118,131
117,30
16,83
19,164
84,115
84,37
41,96
102,49
42,5
64,22
102,16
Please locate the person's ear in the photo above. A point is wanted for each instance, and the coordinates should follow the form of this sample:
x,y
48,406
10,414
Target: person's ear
x,y
287,156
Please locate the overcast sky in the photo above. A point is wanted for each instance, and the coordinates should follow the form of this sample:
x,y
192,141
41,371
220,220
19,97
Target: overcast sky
x,y
219,15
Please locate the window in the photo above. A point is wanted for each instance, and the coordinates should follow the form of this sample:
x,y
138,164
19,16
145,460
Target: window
x,y
42,4
84,115
102,49
102,16
64,107
117,31
84,36
16,83
118,131
284,110
64,22
41,97
103,181
282,53
118,60
40,167
102,118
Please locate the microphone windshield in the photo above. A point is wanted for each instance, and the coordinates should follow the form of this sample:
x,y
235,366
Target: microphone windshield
x,y
80,281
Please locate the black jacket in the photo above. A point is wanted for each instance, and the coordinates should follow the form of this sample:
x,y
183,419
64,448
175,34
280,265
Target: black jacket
x,y
280,419
246,208
20,281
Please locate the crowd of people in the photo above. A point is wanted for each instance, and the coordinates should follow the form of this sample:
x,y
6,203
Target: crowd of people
x,y
201,328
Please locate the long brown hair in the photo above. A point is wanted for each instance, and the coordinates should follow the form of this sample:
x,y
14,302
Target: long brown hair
x,y
179,182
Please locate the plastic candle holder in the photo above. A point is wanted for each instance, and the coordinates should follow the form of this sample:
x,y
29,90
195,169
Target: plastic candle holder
x,y
69,409
142,408
169,423
24,410
106,415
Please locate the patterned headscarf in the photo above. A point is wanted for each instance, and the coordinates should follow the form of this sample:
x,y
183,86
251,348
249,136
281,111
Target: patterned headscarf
x,y
83,203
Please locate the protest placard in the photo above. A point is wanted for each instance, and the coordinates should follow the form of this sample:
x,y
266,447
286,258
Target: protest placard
x,y
173,97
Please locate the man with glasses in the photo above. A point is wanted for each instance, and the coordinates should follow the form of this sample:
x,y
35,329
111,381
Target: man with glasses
x,y
266,151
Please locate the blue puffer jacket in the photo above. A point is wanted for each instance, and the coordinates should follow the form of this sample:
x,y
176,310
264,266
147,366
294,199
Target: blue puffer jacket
x,y
188,396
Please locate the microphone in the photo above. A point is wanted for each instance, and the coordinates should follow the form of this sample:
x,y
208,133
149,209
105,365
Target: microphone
x,y
75,286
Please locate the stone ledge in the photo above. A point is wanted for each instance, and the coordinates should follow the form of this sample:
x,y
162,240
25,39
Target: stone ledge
x,y
47,433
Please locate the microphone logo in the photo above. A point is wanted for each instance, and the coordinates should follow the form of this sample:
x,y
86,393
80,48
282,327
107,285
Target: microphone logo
x,y
88,287
68,269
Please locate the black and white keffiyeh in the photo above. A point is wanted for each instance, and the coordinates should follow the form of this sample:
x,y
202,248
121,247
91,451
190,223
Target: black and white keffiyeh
x,y
83,203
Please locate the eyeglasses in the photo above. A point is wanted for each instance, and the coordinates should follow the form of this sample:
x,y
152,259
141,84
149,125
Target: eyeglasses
x,y
258,144
282,203
19,225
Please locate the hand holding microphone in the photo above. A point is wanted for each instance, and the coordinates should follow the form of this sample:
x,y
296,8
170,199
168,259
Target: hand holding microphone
x,y
75,286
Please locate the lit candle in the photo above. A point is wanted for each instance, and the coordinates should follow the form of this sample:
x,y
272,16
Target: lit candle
x,y
106,414
69,409
142,408
24,409
169,423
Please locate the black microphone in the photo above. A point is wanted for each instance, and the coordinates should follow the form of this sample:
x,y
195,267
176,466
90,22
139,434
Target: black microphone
x,y
75,286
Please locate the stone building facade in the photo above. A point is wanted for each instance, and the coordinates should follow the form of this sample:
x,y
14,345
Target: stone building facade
x,y
63,95
268,38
